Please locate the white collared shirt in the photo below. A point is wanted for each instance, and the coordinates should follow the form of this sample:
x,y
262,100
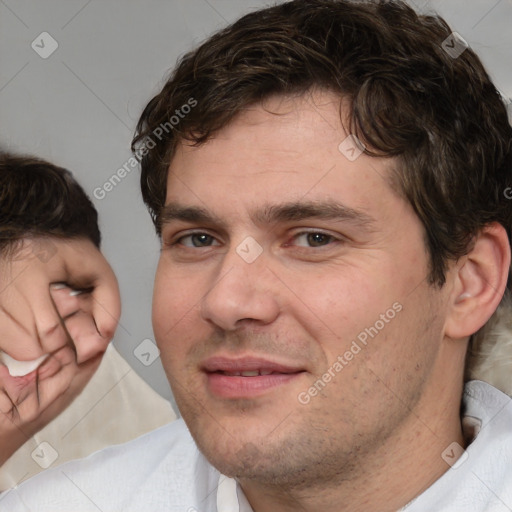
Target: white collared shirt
x,y
164,471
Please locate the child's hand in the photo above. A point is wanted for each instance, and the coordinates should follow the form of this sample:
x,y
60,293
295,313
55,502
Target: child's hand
x,y
51,331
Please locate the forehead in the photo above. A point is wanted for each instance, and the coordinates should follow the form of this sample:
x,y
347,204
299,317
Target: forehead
x,y
285,150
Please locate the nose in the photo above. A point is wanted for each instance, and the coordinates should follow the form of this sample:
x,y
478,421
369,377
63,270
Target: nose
x,y
243,292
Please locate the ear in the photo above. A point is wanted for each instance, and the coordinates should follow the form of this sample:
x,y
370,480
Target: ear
x,y
479,282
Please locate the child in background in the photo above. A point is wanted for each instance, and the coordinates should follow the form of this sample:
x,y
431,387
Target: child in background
x,y
44,214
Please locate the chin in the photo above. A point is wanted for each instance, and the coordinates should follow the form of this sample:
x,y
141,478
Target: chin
x,y
245,461
284,458
284,465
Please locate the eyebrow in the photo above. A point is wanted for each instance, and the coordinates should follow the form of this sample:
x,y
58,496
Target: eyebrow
x,y
300,210
194,214
269,214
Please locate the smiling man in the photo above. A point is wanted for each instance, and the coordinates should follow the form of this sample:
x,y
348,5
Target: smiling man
x,y
334,233
254,335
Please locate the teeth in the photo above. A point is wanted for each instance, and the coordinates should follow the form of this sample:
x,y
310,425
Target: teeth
x,y
20,368
248,373
253,373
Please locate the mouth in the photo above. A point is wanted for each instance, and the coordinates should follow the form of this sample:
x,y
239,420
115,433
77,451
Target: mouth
x,y
247,373
247,377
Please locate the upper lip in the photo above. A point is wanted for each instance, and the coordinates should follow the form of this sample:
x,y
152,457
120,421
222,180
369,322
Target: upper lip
x,y
247,364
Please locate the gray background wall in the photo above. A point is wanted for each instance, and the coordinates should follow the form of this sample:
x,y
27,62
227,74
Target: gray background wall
x,y
78,106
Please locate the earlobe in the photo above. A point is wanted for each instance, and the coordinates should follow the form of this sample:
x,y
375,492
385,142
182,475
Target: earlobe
x,y
479,282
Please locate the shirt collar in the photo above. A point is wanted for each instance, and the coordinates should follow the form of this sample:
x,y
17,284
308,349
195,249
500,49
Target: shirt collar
x,y
230,497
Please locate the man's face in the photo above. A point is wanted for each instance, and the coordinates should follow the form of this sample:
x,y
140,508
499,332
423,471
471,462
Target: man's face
x,y
291,305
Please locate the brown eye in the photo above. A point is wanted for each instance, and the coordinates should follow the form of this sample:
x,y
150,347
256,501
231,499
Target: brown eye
x,y
318,239
313,239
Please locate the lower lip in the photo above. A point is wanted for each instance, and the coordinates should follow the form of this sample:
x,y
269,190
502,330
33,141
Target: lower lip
x,y
226,386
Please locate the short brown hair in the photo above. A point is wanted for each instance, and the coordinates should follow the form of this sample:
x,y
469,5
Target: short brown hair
x,y
38,198
440,116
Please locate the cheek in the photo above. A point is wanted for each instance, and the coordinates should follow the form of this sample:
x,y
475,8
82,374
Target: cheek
x,y
356,317
403,353
174,312
339,303
174,294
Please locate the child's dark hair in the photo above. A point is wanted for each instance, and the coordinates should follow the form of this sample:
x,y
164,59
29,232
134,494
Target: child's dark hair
x,y
38,198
